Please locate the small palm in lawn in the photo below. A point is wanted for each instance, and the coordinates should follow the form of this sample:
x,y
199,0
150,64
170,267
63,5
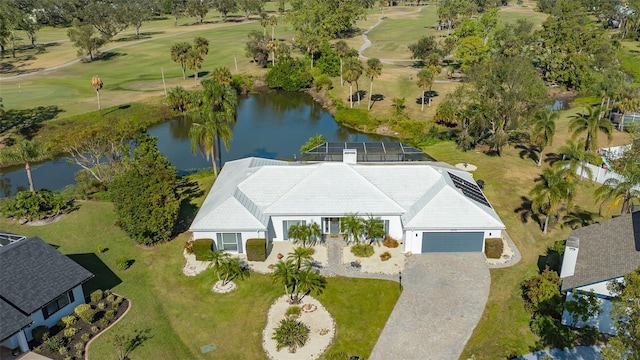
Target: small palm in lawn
x,y
301,257
342,49
351,73
291,334
308,282
544,129
592,123
374,70
621,192
26,152
217,259
575,158
97,84
374,228
628,104
284,274
551,192
232,269
352,227
179,55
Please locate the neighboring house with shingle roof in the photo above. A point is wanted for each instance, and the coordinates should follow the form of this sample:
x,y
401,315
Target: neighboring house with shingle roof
x,y
596,255
428,206
38,286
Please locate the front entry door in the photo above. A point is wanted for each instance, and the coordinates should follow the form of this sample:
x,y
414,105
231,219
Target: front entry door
x,y
334,225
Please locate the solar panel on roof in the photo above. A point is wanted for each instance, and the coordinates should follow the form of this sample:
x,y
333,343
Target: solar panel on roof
x,y
367,151
469,189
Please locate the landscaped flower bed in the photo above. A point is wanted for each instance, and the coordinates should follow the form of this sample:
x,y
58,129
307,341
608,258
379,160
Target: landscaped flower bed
x,y
68,338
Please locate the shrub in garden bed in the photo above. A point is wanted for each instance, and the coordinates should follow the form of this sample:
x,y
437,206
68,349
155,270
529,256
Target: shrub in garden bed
x,y
385,256
201,248
362,250
493,248
67,339
390,242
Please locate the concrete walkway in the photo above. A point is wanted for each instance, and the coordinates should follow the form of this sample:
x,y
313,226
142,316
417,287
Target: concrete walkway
x,y
576,353
443,299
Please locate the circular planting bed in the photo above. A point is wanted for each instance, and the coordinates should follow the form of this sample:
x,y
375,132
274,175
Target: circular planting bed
x,y
221,288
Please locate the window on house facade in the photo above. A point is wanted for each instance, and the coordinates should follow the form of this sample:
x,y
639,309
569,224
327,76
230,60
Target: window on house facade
x,y
229,241
57,304
286,224
386,226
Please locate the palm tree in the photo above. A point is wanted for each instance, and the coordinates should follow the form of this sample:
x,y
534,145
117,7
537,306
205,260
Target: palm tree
x,y
301,257
273,21
425,80
352,227
194,62
575,158
374,229
552,190
592,123
264,21
217,113
97,84
27,152
179,55
179,99
291,334
201,45
217,259
314,232
232,269
308,281
352,71
313,44
621,192
374,70
398,105
221,75
628,104
284,274
544,129
342,49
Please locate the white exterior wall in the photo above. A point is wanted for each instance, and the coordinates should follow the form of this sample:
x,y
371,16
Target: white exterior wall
x,y
413,238
261,234
603,322
277,224
599,288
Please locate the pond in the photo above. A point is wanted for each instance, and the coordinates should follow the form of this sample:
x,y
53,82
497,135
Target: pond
x,y
270,124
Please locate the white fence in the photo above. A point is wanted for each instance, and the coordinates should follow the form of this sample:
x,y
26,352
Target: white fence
x,y
600,175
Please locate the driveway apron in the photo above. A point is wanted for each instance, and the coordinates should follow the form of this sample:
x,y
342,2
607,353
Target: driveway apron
x,y
443,299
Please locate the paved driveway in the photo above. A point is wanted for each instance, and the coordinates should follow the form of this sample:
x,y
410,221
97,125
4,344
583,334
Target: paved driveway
x,y
443,299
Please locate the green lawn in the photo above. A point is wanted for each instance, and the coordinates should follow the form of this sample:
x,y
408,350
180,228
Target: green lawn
x,y
182,313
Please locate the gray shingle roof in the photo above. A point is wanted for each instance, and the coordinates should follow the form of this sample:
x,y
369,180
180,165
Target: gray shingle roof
x,y
32,273
12,320
606,251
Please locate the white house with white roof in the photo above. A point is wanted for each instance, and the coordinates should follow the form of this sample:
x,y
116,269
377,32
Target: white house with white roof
x,y
427,206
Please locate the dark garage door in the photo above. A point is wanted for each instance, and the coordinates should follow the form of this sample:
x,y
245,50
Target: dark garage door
x,y
452,242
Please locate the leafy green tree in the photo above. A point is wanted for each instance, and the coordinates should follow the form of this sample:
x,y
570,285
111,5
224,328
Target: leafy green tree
x,y
137,12
426,46
225,7
544,129
329,19
256,48
582,306
551,192
145,196
593,122
471,51
174,7
108,17
33,205
250,7
626,105
197,9
314,141
374,70
289,74
626,318
342,49
542,293
25,152
352,227
291,334
82,36
351,73
179,54
194,62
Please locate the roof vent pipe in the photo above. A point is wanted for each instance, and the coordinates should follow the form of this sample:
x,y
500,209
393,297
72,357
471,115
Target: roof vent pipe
x,y
570,256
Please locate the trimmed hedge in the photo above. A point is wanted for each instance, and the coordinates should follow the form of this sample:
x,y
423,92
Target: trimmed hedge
x,y
256,249
202,248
